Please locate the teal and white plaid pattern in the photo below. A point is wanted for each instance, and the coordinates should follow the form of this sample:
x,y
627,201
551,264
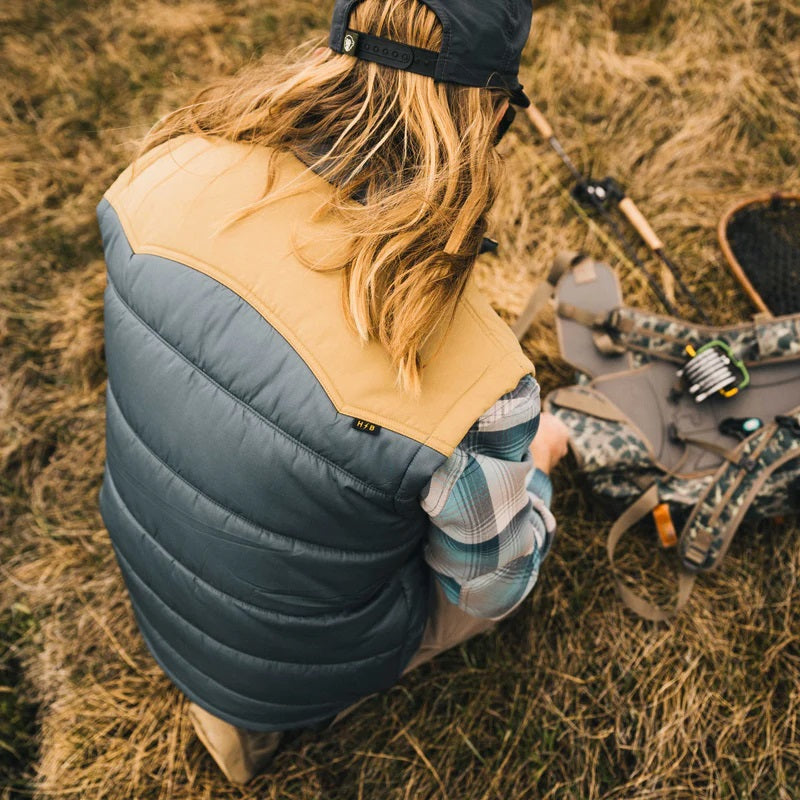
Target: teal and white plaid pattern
x,y
491,524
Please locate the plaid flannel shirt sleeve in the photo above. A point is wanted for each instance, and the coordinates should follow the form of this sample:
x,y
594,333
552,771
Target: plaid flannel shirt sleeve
x,y
489,510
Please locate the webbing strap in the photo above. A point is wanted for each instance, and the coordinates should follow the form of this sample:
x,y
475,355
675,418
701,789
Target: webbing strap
x,y
594,405
544,292
590,319
600,324
729,454
606,344
633,514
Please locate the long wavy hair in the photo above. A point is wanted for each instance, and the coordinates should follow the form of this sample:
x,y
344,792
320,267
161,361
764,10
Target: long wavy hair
x,y
417,155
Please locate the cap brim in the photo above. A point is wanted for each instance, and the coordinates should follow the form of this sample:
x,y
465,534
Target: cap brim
x,y
519,98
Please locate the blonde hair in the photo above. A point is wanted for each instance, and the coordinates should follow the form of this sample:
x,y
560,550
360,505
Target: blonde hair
x,y
418,155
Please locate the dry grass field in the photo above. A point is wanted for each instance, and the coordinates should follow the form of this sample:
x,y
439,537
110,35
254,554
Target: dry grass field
x,y
690,103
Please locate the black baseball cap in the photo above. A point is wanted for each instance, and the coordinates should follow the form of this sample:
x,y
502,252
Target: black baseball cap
x,y
482,44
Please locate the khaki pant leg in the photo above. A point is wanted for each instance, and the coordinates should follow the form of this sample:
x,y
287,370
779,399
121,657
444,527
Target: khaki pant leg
x,y
447,627
239,753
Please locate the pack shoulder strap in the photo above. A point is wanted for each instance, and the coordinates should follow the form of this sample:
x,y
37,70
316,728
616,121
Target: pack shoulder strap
x,y
544,291
576,398
715,519
718,514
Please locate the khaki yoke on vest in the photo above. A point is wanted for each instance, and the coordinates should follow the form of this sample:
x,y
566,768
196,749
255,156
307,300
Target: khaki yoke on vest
x,y
272,548
201,182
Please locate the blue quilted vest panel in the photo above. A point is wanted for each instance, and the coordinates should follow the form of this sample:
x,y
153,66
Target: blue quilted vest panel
x,y
272,552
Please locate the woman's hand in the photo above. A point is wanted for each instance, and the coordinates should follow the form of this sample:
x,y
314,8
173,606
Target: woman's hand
x,y
549,445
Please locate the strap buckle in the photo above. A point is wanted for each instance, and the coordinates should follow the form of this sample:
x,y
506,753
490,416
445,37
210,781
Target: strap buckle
x,y
611,323
695,553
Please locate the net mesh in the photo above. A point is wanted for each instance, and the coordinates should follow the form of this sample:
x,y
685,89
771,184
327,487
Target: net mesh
x,y
765,239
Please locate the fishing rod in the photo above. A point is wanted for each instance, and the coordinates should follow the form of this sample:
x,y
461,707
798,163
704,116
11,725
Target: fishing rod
x,y
609,191
593,199
598,195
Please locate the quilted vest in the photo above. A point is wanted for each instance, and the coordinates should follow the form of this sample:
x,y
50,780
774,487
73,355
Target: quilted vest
x,y
263,470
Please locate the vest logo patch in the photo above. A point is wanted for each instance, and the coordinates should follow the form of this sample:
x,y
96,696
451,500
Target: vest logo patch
x,y
366,427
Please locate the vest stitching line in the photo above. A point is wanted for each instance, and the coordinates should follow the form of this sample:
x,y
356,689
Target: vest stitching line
x,y
239,653
153,634
363,484
409,606
276,616
238,515
397,500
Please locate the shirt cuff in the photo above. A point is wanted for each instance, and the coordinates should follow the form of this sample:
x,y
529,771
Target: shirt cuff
x,y
540,485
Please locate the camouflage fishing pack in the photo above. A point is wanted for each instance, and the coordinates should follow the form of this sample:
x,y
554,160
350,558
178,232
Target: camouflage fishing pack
x,y
698,425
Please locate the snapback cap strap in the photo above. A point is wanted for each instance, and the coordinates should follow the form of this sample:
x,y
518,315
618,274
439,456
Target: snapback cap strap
x,y
390,54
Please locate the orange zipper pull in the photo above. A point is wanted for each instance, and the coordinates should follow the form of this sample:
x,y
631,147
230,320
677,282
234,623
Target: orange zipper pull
x,y
664,525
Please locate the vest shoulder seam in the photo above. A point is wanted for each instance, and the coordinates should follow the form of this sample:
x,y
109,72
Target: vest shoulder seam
x,y
399,498
274,319
517,354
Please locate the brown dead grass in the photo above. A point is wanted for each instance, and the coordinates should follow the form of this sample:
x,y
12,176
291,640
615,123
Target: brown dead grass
x,y
690,104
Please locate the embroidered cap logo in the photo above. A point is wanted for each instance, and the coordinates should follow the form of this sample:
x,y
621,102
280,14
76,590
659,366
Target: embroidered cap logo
x,y
349,43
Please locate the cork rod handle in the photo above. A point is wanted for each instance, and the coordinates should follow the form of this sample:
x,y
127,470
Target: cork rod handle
x,y
539,122
636,218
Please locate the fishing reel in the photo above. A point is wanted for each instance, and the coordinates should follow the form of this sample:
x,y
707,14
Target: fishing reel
x,y
605,193
713,369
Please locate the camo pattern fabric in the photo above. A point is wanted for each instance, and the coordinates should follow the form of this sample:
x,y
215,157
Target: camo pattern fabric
x,y
618,487
655,336
778,339
618,466
612,456
684,492
773,499
714,520
601,444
